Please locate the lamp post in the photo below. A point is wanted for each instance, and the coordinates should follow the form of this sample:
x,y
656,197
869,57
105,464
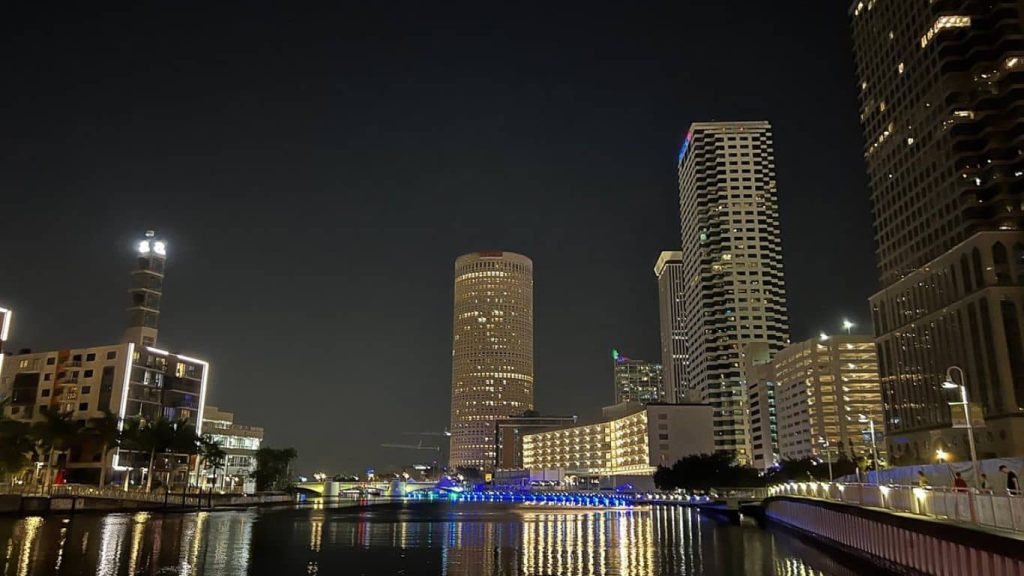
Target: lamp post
x,y
874,446
951,384
828,455
848,326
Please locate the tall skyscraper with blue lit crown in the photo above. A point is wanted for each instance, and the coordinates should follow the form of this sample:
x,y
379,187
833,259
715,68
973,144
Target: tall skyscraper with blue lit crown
x,y
734,292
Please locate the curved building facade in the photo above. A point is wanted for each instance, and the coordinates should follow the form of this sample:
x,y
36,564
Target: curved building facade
x,y
492,351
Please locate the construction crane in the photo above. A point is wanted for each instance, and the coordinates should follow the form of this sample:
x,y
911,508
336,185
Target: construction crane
x,y
419,446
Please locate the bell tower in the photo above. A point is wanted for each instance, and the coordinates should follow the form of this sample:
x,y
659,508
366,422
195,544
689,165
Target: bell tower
x,y
146,291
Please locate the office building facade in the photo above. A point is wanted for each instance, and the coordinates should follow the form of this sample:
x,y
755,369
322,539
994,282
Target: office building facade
x,y
733,286
940,110
827,394
492,351
636,380
669,272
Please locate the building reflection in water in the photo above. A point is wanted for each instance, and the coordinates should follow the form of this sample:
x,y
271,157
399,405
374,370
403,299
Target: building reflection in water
x,y
460,540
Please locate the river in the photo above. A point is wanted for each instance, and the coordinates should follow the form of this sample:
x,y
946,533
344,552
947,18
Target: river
x,y
464,539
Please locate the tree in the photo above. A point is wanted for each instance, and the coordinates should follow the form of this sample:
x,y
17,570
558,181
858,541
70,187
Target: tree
x,y
706,471
211,455
273,467
55,434
105,431
16,445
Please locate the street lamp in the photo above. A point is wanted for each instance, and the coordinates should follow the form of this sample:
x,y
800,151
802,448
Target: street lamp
x,y
847,325
941,455
951,384
828,455
874,446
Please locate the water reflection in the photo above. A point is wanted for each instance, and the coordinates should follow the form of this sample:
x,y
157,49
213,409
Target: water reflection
x,y
438,539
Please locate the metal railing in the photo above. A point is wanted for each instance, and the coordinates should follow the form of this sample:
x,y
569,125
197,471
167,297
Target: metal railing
x,y
983,508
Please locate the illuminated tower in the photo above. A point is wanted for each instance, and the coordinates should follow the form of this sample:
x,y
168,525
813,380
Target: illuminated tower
x,y
733,287
669,271
492,351
146,292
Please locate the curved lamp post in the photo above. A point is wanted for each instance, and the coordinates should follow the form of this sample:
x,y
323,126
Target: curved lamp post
x,y
951,384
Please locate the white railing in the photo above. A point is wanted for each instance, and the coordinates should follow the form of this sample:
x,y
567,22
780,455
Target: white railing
x,y
981,508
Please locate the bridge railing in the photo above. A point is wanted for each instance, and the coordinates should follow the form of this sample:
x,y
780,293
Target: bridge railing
x,y
985,508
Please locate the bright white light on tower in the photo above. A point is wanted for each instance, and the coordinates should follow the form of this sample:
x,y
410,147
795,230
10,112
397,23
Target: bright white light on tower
x,y
159,247
144,247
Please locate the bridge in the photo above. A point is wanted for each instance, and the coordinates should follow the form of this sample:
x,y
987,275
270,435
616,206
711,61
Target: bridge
x,y
331,488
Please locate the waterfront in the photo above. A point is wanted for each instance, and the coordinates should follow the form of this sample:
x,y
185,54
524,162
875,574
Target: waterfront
x,y
465,539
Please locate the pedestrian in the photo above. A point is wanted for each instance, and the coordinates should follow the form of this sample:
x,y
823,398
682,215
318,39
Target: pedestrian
x,y
984,481
922,480
1012,482
959,484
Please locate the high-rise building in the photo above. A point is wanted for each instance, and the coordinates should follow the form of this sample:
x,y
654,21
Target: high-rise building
x,y
827,391
669,271
940,107
762,419
733,287
146,291
492,351
636,380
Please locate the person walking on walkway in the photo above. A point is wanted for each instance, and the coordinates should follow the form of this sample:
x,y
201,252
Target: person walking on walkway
x,y
1012,482
922,480
959,484
984,482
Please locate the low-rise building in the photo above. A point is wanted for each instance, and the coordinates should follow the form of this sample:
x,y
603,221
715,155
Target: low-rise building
x,y
125,380
509,432
828,394
239,443
627,445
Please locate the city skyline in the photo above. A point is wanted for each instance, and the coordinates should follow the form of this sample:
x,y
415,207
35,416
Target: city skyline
x,y
289,238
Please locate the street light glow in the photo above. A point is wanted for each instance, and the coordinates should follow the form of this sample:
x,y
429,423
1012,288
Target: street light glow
x,y
847,325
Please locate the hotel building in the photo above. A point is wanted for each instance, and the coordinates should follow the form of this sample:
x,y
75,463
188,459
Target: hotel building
x,y
940,107
492,351
632,441
734,292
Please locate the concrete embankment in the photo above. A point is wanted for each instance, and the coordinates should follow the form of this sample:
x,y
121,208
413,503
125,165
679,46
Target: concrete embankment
x,y
898,542
19,504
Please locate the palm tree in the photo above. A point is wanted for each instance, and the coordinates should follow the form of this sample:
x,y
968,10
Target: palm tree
x,y
155,436
55,434
106,431
210,455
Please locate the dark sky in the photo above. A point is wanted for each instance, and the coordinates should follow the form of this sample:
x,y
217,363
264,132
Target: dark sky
x,y
317,172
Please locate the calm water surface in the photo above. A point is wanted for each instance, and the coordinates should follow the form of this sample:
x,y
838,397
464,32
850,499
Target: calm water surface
x,y
467,539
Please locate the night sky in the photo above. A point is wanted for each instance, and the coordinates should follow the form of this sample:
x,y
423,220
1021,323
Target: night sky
x,y
317,172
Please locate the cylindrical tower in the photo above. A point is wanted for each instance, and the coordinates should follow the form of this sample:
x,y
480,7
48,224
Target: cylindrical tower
x,y
146,292
492,351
